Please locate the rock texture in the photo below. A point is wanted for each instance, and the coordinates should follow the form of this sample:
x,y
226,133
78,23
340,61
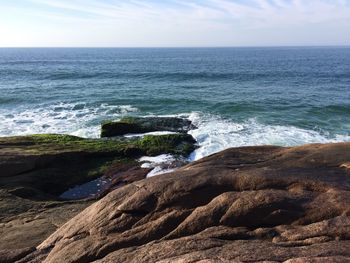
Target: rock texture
x,y
36,169
250,204
145,124
39,166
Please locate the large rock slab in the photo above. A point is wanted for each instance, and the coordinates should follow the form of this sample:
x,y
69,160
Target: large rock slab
x,y
249,204
131,125
35,170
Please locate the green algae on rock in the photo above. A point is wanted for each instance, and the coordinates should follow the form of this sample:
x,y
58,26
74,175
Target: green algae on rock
x,y
53,162
36,169
180,144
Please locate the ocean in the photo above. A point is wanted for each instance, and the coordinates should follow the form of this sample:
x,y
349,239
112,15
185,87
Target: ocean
x,y
235,96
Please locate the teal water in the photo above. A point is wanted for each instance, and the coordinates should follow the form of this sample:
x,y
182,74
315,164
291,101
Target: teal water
x,y
236,96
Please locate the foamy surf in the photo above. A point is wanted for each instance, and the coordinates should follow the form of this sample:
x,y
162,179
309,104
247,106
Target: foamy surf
x,y
215,134
80,119
160,164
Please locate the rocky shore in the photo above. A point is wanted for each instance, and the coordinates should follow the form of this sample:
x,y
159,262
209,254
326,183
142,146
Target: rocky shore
x,y
248,204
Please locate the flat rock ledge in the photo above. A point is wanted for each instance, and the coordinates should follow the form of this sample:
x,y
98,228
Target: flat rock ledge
x,y
130,125
249,204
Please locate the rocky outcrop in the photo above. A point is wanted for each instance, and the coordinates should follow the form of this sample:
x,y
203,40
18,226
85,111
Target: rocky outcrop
x,y
249,204
129,125
35,170
49,164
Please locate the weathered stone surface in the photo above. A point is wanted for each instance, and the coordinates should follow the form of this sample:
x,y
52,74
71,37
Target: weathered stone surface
x,y
249,204
145,124
26,223
122,174
9,256
36,169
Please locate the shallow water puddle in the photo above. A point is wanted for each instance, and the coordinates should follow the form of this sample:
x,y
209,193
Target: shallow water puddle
x,y
161,164
89,189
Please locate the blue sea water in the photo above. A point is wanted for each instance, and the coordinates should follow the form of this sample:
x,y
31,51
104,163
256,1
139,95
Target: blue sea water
x,y
236,96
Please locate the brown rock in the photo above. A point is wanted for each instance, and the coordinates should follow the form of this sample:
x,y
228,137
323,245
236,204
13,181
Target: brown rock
x,y
8,256
249,204
124,173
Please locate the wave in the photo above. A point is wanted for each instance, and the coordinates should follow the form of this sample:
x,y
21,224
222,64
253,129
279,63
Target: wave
x,y
215,134
73,75
78,119
173,76
240,76
8,100
331,110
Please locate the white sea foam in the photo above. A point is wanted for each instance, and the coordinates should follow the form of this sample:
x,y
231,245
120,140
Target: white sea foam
x,y
77,119
124,109
148,133
215,134
159,171
160,164
157,159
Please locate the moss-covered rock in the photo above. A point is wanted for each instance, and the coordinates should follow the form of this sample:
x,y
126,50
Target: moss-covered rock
x,y
53,162
38,138
39,144
36,169
180,144
145,124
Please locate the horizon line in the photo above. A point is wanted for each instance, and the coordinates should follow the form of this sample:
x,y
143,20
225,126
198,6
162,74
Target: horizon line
x,y
150,47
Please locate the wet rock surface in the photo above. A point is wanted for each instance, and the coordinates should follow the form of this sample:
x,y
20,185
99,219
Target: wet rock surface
x,y
40,166
129,125
35,170
249,204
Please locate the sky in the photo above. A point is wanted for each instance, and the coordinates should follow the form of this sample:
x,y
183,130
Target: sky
x,y
173,23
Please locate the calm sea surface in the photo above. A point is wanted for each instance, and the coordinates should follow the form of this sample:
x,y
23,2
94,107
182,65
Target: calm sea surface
x,y
236,96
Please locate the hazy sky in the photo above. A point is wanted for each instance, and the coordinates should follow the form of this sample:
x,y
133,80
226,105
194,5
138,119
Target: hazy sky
x,y
132,23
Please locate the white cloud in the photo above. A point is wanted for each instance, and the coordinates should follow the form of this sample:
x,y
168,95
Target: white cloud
x,y
174,23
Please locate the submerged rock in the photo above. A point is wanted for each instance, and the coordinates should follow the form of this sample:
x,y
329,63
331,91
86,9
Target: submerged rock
x,y
249,204
129,125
